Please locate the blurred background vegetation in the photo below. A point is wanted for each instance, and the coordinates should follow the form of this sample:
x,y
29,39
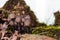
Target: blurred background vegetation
x,y
38,28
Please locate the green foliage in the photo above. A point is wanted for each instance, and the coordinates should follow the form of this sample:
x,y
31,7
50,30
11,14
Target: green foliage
x,y
41,24
51,31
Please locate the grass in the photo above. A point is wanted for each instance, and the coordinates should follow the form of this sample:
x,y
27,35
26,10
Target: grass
x,y
52,31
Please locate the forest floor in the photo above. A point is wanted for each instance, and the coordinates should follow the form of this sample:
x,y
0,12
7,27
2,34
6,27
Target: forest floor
x,y
35,37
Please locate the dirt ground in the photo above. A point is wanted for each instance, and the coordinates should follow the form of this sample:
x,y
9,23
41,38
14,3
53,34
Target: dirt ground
x,y
35,37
